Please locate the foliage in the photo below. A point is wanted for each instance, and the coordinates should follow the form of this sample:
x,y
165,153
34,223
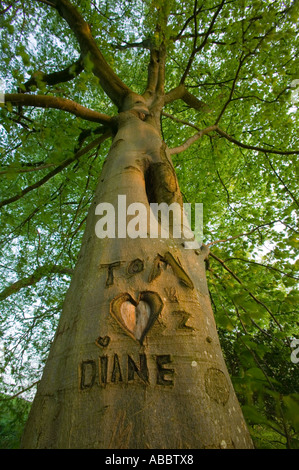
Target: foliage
x,y
239,58
13,415
266,382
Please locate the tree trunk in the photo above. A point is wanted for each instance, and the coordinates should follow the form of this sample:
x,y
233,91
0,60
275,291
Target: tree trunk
x,y
136,361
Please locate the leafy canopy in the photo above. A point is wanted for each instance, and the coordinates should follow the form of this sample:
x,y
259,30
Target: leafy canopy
x,y
229,114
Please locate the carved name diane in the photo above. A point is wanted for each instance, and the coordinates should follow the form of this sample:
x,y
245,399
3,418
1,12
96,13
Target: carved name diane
x,y
124,369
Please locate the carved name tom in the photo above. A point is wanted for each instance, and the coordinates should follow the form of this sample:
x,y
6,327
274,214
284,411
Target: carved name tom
x,y
159,265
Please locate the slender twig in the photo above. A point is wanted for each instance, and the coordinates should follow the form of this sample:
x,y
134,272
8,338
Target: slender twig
x,y
46,2
27,170
57,170
20,392
267,266
245,288
281,180
241,234
252,147
195,49
191,140
37,275
181,121
241,62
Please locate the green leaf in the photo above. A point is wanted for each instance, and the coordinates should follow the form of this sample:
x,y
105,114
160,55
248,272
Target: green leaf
x,y
291,403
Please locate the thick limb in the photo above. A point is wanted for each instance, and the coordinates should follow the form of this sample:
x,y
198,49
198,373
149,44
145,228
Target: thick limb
x,y
110,82
46,101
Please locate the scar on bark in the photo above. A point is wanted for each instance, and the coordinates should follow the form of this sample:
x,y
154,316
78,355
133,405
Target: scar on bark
x,y
161,182
136,104
204,251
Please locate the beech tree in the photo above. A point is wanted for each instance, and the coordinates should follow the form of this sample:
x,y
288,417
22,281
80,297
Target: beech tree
x,y
158,102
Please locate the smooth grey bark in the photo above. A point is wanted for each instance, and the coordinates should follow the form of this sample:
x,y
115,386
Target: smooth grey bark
x,y
111,382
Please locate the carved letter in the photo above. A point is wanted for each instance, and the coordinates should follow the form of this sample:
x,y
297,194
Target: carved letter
x,y
116,375
178,270
162,372
104,368
183,318
110,276
158,265
136,266
142,371
87,373
171,294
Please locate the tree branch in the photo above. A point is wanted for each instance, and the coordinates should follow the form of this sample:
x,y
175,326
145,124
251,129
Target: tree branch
x,y
156,70
246,289
195,103
243,58
20,392
281,180
153,74
192,17
195,49
182,121
191,140
241,234
180,93
46,101
65,75
176,93
27,170
252,147
37,275
267,266
57,170
161,71
109,81
145,44
241,62
46,2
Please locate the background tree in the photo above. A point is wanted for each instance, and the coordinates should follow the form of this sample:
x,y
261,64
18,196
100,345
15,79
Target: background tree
x,y
230,120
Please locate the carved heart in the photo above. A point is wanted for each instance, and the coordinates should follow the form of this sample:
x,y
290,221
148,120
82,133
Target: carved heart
x,y
103,341
136,317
